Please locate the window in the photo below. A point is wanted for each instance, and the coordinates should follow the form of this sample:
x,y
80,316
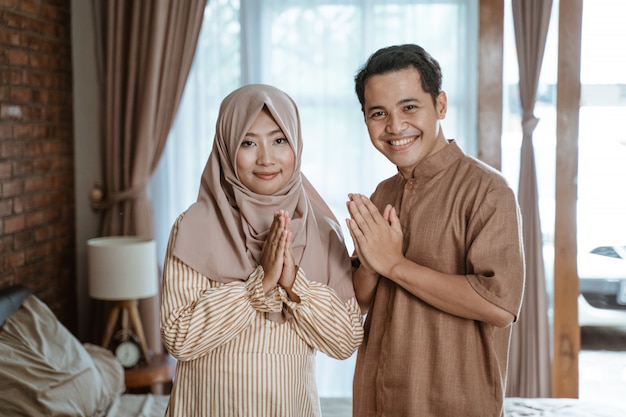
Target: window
x,y
602,126
602,142
312,49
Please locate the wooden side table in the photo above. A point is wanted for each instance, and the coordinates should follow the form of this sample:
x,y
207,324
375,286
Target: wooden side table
x,y
154,375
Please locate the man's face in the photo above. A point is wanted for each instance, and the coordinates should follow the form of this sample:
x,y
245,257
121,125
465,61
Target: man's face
x,y
402,121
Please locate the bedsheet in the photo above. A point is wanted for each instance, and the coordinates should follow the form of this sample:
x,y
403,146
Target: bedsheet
x,y
138,405
560,407
514,407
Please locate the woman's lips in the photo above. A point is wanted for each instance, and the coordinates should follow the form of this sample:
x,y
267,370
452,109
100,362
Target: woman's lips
x,y
266,175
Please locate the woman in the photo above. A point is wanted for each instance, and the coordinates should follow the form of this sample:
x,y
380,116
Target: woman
x,y
257,277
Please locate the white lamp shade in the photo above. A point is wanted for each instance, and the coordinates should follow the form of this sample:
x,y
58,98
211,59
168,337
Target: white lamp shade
x,y
122,268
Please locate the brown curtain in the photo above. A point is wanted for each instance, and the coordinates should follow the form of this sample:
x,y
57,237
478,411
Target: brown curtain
x,y
147,47
529,372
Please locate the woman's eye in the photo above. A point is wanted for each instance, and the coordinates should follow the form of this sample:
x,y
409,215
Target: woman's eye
x,y
246,144
281,141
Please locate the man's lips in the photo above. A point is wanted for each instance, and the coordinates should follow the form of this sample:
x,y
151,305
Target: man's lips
x,y
401,141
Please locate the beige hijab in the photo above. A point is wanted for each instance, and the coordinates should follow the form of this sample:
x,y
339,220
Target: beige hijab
x,y
222,234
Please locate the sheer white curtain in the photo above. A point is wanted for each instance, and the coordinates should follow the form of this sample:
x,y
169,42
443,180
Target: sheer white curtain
x,y
312,49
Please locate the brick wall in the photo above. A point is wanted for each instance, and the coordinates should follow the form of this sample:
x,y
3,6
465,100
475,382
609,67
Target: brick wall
x,y
37,214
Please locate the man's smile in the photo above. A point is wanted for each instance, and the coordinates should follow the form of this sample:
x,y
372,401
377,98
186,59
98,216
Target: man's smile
x,y
401,141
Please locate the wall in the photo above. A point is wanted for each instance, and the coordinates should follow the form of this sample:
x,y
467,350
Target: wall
x,y
87,151
37,209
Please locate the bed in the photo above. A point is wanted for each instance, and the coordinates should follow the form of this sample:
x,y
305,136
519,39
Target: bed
x,y
45,370
514,407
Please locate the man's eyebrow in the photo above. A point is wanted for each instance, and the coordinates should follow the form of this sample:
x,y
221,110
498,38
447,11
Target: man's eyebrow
x,y
399,103
376,107
408,100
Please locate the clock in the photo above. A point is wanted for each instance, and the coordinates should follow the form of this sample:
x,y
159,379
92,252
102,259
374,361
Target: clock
x,y
128,353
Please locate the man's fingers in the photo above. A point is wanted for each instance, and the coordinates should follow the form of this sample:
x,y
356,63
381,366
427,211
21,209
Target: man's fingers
x,y
367,209
361,215
394,220
371,208
367,217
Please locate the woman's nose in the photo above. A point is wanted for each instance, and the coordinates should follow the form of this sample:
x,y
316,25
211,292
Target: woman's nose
x,y
266,156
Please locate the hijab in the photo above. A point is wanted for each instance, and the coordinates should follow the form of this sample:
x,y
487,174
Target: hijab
x,y
222,234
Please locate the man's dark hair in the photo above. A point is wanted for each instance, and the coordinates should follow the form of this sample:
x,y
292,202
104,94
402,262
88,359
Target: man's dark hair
x,y
399,57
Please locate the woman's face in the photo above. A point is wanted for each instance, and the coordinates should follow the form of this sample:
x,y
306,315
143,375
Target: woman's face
x,y
265,160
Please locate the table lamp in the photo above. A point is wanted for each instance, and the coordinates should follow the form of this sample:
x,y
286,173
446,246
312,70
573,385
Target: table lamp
x,y
122,269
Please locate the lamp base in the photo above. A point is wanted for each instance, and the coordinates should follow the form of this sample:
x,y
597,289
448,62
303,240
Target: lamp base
x,y
129,310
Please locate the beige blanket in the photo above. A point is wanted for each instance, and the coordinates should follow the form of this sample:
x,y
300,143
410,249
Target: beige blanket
x,y
514,407
135,405
559,407
46,371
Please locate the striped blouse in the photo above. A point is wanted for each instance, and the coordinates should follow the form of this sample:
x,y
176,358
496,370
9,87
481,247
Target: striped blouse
x,y
232,361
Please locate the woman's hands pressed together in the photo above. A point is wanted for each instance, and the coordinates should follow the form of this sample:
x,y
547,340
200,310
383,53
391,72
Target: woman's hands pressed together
x,y
277,258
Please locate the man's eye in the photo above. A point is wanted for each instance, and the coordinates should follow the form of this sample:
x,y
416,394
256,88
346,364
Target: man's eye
x,y
410,107
377,115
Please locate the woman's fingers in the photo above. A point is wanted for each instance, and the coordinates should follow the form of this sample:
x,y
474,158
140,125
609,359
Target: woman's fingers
x,y
276,229
276,243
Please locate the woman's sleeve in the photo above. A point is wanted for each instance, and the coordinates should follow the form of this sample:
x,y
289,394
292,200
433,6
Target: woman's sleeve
x,y
199,315
322,319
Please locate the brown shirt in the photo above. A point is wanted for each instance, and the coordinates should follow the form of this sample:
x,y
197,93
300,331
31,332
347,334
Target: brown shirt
x,y
460,217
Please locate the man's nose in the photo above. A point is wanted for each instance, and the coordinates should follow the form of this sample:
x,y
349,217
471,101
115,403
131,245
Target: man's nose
x,y
395,123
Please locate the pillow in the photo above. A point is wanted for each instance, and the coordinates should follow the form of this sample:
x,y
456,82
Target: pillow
x,y
45,370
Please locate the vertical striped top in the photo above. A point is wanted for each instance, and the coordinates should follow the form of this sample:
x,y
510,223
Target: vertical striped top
x,y
232,361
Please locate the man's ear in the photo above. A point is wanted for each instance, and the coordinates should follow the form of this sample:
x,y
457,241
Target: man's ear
x,y
441,105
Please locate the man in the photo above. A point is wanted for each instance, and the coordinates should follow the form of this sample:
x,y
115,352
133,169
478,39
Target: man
x,y
441,272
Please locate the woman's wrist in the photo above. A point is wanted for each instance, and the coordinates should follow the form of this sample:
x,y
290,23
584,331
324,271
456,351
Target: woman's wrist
x,y
287,285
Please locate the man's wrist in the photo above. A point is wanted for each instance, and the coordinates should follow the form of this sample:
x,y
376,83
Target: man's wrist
x,y
367,271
